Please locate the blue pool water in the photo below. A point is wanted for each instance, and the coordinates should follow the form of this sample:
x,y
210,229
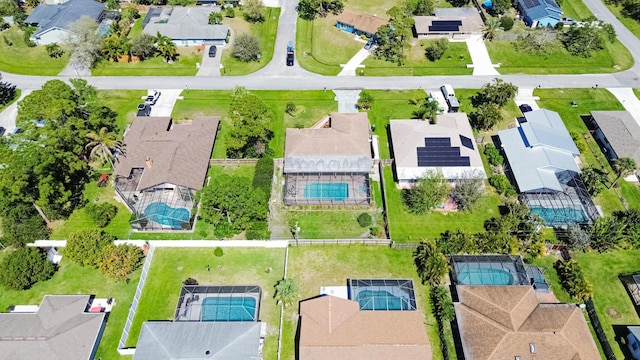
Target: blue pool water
x,y
485,277
329,191
380,300
227,308
166,215
561,216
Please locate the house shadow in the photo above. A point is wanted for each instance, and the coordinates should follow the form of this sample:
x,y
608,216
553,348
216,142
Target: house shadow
x,y
621,333
297,336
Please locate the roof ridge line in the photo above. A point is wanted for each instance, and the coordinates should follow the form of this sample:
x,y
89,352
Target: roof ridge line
x,y
486,318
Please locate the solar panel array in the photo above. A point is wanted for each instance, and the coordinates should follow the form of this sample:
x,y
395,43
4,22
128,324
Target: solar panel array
x,y
446,25
439,152
531,3
466,142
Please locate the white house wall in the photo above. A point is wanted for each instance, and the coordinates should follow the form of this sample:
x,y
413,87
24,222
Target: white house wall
x,y
55,35
410,174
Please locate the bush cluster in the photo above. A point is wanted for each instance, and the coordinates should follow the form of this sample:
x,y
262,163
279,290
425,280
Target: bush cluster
x,y
364,220
101,213
20,269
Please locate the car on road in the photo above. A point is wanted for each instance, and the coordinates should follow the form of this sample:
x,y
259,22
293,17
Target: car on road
x,y
2,130
213,50
525,108
368,45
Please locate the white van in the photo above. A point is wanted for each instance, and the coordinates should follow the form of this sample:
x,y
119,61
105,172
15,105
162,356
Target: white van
x,y
447,90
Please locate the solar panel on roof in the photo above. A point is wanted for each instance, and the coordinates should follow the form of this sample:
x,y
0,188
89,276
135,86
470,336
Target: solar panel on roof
x,y
466,142
439,152
531,3
445,25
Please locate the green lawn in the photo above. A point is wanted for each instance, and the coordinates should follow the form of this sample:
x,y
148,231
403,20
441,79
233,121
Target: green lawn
x,y
613,58
156,66
74,279
576,9
629,23
613,305
316,266
321,47
123,102
410,228
453,62
266,34
333,223
559,100
637,92
313,105
21,59
170,267
136,29
15,98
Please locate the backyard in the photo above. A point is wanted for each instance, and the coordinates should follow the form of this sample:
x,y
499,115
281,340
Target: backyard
x,y
18,58
315,266
170,267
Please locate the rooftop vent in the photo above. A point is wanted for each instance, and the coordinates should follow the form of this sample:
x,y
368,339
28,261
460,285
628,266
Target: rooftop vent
x,y
532,348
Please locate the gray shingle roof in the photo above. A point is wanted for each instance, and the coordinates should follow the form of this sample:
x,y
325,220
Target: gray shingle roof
x,y
61,16
60,330
622,132
163,340
189,23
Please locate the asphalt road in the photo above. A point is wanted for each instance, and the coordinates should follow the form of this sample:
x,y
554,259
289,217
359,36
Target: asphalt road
x,y
277,76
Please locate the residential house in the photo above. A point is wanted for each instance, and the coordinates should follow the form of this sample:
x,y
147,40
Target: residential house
x,y
63,327
446,146
186,26
329,166
508,322
539,13
162,166
633,341
359,24
618,134
53,21
455,23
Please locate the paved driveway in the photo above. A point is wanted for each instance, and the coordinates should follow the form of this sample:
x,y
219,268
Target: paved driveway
x,y
629,100
8,116
347,100
525,96
480,56
210,66
166,102
350,68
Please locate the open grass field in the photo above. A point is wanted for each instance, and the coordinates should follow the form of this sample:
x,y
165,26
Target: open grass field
x,y
575,9
321,47
316,266
410,228
559,100
156,66
629,23
613,58
332,223
613,305
170,267
74,279
264,31
453,62
18,58
123,102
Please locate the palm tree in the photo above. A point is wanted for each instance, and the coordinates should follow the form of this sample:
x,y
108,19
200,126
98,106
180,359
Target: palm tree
x,y
166,47
432,265
103,144
112,47
286,291
215,18
427,109
623,167
491,28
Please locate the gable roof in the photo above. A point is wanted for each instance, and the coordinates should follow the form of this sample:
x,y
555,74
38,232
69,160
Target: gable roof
x,y
188,23
538,149
61,329
177,153
164,340
344,146
469,17
538,9
47,16
501,322
408,135
336,328
622,132
360,21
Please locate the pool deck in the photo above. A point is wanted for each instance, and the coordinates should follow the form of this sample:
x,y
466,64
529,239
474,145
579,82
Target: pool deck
x,y
191,308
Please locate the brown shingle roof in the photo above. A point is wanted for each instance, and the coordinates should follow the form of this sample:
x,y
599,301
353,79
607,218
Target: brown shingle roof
x,y
500,322
335,328
363,22
178,153
622,132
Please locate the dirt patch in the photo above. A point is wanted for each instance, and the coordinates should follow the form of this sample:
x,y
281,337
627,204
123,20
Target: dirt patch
x,y
613,313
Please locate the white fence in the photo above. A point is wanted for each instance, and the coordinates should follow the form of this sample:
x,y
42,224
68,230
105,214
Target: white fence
x,y
180,243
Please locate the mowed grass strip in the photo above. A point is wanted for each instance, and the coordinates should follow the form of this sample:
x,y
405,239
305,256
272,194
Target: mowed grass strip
x,y
575,9
185,65
18,58
631,24
246,266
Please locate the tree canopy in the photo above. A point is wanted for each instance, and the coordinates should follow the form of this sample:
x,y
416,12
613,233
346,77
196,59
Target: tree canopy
x,y
84,246
246,47
22,268
429,191
309,9
253,10
394,37
286,292
7,92
118,262
497,92
251,119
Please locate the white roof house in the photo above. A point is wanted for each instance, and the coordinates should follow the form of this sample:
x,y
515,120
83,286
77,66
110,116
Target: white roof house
x,y
538,149
446,147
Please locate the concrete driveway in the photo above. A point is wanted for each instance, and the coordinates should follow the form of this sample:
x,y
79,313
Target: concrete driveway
x,y
210,66
347,100
525,96
629,100
480,56
8,116
350,68
166,102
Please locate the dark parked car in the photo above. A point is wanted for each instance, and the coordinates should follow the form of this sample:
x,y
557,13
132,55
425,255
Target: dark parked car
x,y
525,108
213,50
368,45
290,56
2,130
144,109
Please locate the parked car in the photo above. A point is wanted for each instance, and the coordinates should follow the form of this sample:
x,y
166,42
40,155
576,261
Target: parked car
x,y
153,98
525,108
144,109
2,130
368,45
213,50
290,53
568,20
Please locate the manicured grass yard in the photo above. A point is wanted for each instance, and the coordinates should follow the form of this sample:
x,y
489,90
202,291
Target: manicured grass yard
x,y
74,279
264,31
21,59
575,9
629,23
589,100
613,58
613,305
316,266
453,62
136,29
123,102
333,223
170,267
410,228
156,66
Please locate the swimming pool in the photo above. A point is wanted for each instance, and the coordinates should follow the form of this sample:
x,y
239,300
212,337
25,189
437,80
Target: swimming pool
x,y
485,276
560,216
329,191
228,308
166,215
381,300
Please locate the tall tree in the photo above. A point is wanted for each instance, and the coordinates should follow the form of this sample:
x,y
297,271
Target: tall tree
x,y
623,167
594,179
428,110
253,10
251,119
497,92
492,27
143,46
286,292
7,92
431,264
84,42
246,47
430,190
309,9
582,40
103,145
166,47
468,190
113,47
118,262
84,246
393,38
20,269
486,116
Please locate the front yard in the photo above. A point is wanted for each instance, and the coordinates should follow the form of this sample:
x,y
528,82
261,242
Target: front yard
x,y
17,58
185,65
631,24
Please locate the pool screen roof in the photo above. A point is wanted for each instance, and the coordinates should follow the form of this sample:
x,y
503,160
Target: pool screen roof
x,y
192,296
462,264
383,294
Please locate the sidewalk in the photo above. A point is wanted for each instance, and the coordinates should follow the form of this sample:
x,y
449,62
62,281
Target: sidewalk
x,y
8,116
480,56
